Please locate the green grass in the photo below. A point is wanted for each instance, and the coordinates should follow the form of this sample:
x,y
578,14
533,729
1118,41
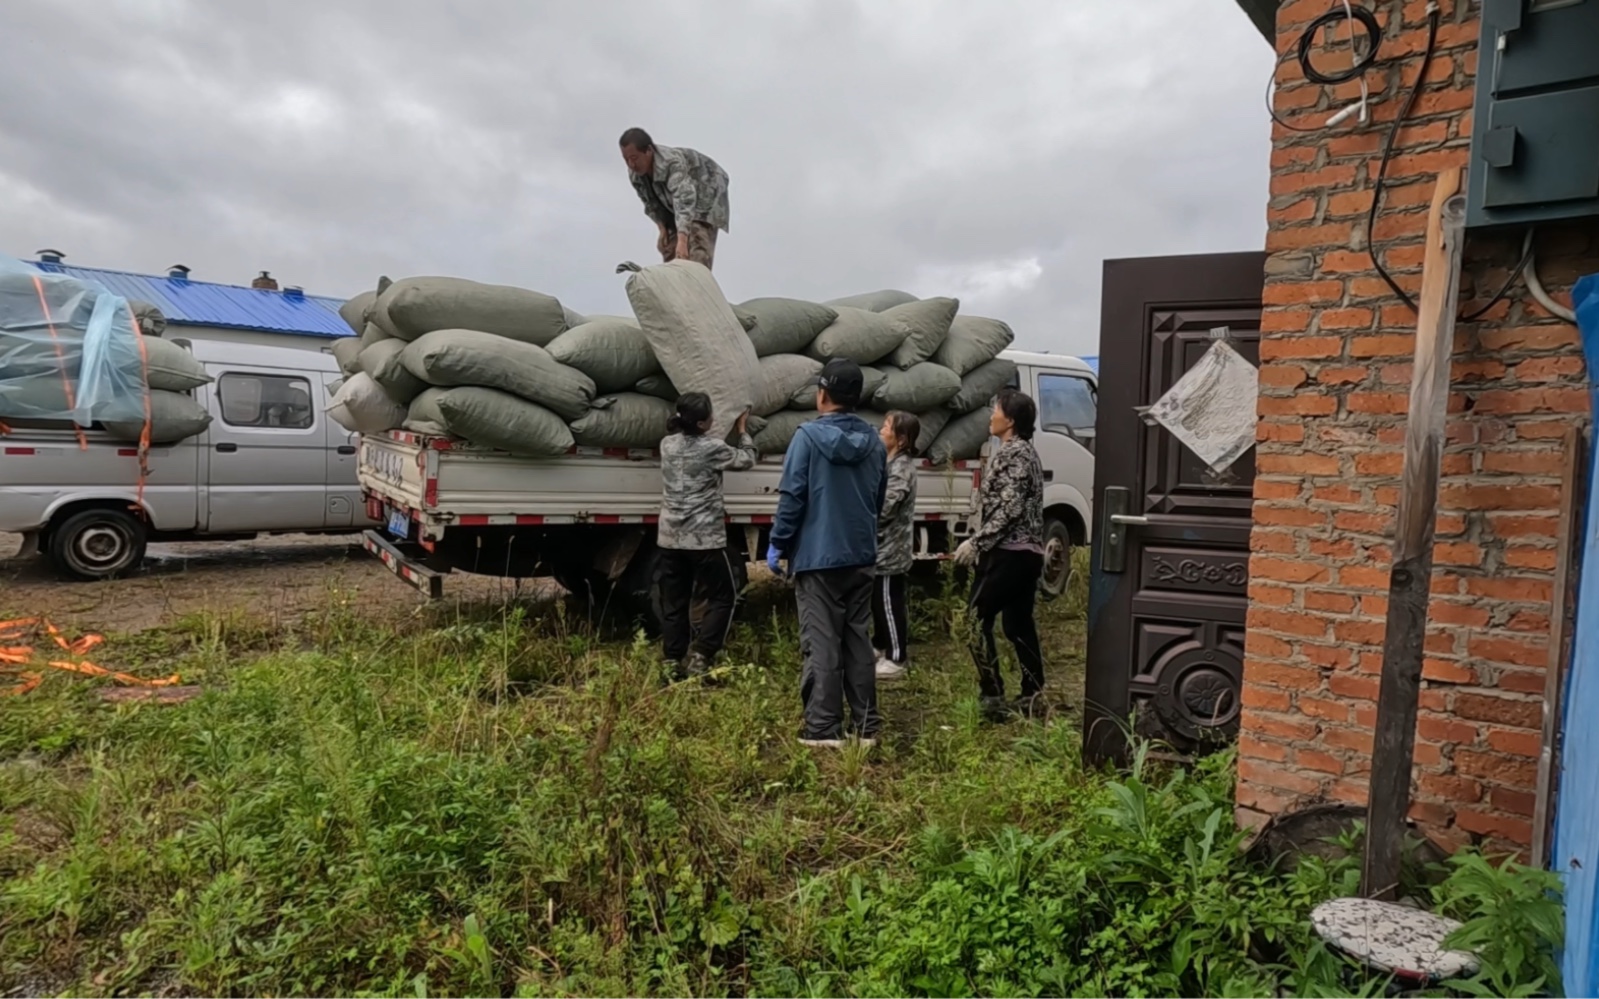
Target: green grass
x,y
481,801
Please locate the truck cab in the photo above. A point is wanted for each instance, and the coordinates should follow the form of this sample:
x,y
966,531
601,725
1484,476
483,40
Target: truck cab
x,y
1067,392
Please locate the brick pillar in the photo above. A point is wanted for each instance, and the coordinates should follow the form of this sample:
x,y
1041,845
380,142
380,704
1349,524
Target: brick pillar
x,y
1335,372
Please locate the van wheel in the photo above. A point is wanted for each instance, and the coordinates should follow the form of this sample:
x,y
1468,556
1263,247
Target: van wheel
x,y
97,544
1057,558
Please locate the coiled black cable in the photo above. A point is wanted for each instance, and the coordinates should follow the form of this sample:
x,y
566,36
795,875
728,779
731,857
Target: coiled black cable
x,y
1388,152
1366,19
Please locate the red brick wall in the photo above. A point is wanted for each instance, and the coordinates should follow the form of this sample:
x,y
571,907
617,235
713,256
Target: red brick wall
x,y
1335,371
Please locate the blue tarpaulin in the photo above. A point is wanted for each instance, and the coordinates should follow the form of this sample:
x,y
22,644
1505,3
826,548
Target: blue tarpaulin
x,y
1576,847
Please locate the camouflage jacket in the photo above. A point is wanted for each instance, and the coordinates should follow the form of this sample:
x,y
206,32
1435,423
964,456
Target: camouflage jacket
x,y
1012,499
686,186
693,517
894,545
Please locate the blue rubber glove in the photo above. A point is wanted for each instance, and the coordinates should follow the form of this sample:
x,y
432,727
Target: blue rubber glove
x,y
774,560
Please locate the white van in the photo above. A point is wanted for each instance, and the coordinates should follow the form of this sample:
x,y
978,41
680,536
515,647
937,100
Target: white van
x,y
1067,393
263,466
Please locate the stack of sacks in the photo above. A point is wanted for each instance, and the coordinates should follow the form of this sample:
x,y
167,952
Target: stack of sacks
x,y
513,369
449,356
42,376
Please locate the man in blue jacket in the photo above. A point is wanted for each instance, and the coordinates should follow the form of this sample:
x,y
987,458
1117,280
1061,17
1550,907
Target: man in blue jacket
x,y
826,527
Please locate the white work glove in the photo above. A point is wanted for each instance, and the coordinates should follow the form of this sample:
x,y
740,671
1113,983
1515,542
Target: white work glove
x,y
966,554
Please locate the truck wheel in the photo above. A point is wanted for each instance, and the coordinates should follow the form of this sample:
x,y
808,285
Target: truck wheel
x,y
1057,558
97,544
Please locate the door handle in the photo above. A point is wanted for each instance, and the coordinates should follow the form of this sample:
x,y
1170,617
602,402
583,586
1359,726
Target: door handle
x,y
1049,475
1115,504
227,447
346,448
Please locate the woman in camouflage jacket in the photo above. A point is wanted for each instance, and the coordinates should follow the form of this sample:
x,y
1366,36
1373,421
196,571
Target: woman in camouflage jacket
x,y
890,618
692,533
1008,551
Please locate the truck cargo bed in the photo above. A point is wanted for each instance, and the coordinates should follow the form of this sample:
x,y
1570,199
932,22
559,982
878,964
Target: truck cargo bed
x,y
439,483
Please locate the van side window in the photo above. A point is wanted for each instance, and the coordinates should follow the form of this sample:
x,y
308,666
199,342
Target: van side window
x,y
276,401
1065,401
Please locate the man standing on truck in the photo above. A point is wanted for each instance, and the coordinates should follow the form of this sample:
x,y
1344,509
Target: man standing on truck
x,y
684,192
826,527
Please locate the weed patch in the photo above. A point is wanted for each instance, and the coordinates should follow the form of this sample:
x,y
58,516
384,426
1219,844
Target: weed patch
x,y
494,801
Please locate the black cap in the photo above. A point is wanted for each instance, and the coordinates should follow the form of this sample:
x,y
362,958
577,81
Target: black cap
x,y
841,378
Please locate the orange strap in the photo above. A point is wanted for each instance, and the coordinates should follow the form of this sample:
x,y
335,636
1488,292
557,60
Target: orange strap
x,y
144,432
18,655
61,360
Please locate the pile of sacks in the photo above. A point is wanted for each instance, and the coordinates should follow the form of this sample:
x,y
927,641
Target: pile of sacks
x,y
72,351
513,369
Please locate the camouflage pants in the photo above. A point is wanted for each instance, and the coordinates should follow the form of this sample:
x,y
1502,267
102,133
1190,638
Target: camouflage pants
x,y
701,244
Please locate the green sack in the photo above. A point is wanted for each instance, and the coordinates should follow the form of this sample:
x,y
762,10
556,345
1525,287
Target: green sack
x,y
174,416
963,438
347,351
872,379
170,367
982,384
932,423
491,418
873,301
659,386
150,319
627,419
608,349
779,431
382,361
354,311
471,357
785,325
925,325
972,342
861,336
782,377
373,334
925,386
424,416
417,305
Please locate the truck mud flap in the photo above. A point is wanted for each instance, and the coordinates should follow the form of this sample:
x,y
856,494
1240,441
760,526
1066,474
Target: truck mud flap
x,y
402,565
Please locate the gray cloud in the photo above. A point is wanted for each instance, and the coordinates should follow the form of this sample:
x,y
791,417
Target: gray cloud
x,y
995,151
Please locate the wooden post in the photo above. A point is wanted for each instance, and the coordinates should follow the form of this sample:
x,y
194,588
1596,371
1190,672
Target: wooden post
x,y
1394,743
1574,490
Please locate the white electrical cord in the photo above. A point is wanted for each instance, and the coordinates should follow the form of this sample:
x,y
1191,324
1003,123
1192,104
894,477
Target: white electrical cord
x,y
1543,297
1354,61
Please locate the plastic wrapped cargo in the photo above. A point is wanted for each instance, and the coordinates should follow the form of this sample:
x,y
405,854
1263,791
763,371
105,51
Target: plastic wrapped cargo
x,y
74,333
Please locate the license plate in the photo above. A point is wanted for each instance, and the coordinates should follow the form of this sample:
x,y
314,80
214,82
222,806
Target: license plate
x,y
399,524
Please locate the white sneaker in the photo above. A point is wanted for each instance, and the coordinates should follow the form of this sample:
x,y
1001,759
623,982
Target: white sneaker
x,y
888,669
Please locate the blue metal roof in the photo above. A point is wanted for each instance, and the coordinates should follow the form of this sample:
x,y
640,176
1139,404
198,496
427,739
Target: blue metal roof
x,y
201,303
1092,362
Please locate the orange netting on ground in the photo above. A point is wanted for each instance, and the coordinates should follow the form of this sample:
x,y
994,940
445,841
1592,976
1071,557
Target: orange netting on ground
x,y
20,649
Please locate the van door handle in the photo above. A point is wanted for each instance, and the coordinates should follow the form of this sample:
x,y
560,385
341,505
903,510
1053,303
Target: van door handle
x,y
227,448
346,448
1049,475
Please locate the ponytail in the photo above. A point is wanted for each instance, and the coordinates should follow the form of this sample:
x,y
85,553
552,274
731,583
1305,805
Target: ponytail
x,y
693,409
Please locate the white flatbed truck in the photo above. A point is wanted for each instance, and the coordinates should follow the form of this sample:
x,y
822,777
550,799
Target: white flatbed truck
x,y
586,519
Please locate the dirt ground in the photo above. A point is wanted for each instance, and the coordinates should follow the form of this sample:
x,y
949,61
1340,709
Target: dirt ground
x,y
280,578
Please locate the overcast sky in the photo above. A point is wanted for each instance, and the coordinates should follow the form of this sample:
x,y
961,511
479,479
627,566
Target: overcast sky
x,y
994,151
